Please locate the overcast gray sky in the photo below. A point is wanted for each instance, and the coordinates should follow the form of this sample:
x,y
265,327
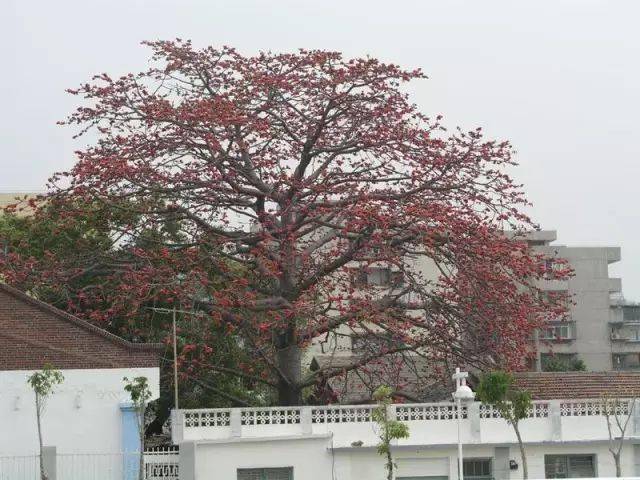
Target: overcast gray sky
x,y
558,78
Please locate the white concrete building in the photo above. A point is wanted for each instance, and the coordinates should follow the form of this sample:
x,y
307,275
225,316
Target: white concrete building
x,y
602,330
564,439
89,412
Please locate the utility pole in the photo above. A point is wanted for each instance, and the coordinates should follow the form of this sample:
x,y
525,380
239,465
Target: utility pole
x,y
174,313
175,362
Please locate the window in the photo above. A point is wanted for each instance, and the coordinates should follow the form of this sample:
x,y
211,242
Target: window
x,y
379,276
265,473
553,265
569,466
477,468
626,361
631,313
563,331
630,333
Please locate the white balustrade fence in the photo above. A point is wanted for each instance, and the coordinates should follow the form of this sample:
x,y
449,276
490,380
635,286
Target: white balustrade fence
x,y
207,418
270,416
429,411
159,464
341,414
430,423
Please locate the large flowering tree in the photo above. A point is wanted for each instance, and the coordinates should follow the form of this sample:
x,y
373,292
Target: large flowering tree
x,y
288,179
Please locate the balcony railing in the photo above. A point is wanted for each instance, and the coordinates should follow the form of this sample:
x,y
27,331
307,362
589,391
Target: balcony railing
x,y
429,423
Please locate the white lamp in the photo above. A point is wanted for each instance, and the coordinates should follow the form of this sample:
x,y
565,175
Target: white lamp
x,y
462,394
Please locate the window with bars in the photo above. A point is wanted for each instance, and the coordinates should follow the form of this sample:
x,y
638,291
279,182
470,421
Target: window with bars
x,y
285,473
477,468
569,466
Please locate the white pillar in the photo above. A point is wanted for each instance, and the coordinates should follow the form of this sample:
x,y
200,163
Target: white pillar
x,y
187,461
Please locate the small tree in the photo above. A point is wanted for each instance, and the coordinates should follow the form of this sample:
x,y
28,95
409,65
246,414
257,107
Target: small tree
x,y
138,389
43,383
390,429
497,389
618,413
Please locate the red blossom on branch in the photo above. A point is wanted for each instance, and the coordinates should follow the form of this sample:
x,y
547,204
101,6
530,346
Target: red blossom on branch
x,y
291,178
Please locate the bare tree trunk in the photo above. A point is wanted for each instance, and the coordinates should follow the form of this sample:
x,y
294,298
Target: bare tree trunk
x,y
288,360
43,476
616,458
389,464
523,454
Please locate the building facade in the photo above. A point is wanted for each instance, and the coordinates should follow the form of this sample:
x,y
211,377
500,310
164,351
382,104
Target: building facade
x,y
89,412
602,331
564,439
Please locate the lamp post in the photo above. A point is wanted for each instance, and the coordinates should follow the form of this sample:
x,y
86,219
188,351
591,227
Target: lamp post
x,y
462,394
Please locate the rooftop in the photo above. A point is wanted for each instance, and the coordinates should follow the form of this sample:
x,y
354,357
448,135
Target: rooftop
x,y
578,385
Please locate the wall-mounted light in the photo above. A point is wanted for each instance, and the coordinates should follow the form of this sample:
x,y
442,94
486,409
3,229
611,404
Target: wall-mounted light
x,y
78,400
513,465
17,403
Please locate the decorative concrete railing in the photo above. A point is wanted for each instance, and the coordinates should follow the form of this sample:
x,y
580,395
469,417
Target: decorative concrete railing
x,y
342,414
581,408
206,418
538,410
270,416
429,411
429,423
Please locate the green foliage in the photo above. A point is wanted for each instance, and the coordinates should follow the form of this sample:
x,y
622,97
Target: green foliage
x,y
556,364
79,263
497,388
43,384
390,429
44,381
138,389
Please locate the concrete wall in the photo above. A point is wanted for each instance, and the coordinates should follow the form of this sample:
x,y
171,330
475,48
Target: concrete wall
x,y
310,458
590,289
313,458
82,416
322,441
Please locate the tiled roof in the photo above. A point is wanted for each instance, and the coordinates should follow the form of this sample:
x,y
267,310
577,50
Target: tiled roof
x,y
33,333
565,385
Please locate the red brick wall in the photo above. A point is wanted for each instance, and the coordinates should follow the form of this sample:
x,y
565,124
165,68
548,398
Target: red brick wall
x,y
33,334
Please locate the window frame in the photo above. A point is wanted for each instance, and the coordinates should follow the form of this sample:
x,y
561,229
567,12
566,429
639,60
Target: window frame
x,y
567,464
556,327
489,461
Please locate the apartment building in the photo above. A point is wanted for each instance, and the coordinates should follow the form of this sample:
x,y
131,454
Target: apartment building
x,y
601,333
603,330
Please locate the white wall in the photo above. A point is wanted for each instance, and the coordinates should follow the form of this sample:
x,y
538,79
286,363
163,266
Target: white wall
x,y
313,459
310,458
82,416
